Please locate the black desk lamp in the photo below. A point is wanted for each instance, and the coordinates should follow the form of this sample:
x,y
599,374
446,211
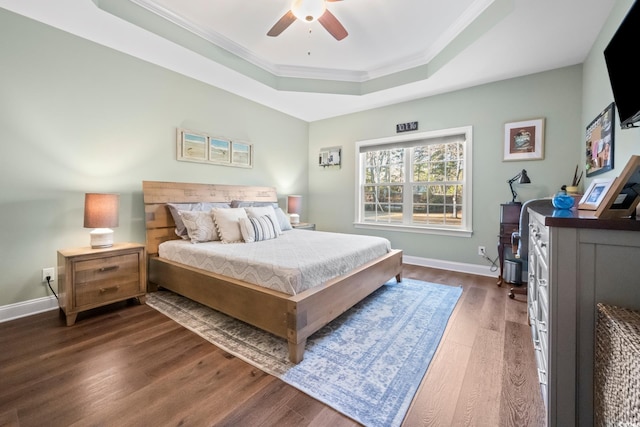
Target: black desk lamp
x,y
522,178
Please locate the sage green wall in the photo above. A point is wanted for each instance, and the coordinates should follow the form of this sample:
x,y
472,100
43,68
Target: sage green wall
x,y
597,94
554,95
77,117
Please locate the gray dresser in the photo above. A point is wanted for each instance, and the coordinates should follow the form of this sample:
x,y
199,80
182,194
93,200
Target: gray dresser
x,y
575,262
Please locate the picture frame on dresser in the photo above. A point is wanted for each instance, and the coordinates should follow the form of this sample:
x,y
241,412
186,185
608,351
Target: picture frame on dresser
x,y
595,194
624,195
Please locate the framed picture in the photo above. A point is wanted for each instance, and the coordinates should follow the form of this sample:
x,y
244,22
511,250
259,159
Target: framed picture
x,y
524,140
330,156
241,154
624,195
219,150
202,148
595,194
191,146
599,142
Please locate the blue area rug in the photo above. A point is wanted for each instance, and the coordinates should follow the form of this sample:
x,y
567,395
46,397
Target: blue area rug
x,y
367,363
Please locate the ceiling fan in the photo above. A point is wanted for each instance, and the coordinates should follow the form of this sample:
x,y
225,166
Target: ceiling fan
x,y
309,11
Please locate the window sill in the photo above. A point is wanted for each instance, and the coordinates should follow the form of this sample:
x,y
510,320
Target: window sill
x,y
411,229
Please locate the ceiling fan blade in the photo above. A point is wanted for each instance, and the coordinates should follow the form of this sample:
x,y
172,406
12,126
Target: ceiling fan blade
x,y
284,22
331,24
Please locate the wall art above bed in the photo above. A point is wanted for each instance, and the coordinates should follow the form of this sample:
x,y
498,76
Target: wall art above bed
x,y
193,146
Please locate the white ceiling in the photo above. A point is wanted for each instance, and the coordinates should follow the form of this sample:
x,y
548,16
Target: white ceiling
x,y
395,51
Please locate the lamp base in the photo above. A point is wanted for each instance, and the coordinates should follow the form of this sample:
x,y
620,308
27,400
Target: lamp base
x,y
101,238
294,218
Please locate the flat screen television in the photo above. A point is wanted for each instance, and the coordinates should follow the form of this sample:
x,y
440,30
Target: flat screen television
x,y
620,56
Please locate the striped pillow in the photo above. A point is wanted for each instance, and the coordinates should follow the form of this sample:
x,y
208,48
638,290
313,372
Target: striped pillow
x,y
257,228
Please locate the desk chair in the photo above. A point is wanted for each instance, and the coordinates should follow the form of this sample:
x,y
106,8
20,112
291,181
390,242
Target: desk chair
x,y
520,239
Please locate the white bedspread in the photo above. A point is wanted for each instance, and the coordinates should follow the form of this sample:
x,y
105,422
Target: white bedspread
x,y
295,261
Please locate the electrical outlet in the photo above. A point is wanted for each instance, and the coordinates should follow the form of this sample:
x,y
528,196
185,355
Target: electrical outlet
x,y
51,272
482,251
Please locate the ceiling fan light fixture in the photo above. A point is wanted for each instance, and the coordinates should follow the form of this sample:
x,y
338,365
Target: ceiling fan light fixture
x,y
308,10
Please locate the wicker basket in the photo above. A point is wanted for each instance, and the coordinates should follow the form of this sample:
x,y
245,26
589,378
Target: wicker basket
x,y
617,367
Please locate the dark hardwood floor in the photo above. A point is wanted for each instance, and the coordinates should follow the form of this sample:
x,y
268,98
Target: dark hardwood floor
x,y
128,365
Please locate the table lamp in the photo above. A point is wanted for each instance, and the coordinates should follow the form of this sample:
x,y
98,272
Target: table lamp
x,y
522,178
101,213
294,207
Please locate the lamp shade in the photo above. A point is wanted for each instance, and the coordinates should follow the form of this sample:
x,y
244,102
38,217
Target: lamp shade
x,y
101,213
521,178
294,207
101,210
294,204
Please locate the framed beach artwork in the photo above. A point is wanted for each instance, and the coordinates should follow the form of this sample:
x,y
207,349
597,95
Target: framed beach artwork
x,y
193,146
524,140
219,150
599,142
241,154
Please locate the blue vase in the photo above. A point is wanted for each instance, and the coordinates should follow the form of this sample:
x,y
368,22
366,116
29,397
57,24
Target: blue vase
x,y
562,200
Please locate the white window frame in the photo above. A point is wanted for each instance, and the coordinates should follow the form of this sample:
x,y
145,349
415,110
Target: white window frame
x,y
465,229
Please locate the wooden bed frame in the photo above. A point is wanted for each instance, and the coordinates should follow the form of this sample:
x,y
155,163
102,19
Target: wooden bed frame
x,y
293,317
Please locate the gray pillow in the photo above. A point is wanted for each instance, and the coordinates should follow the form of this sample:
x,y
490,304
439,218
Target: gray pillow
x,y
174,208
248,204
283,219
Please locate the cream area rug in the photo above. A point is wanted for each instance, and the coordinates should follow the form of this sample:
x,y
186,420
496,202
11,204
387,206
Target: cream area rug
x,y
367,363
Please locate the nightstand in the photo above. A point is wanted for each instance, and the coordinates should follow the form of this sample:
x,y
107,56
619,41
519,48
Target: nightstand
x,y
304,226
89,278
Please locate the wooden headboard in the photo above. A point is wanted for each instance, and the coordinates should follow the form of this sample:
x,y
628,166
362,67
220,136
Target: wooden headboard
x,y
158,221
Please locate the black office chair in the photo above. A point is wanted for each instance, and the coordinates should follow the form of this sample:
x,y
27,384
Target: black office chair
x,y
520,239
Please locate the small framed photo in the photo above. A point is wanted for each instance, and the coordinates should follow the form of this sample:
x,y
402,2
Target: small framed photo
x,y
191,146
599,142
595,194
241,154
524,140
624,195
330,156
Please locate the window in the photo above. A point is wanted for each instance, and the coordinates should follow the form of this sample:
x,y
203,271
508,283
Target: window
x,y
419,182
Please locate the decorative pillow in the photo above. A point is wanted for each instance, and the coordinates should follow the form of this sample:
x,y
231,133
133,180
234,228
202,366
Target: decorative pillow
x,y
255,212
175,208
283,220
199,225
246,204
256,229
227,223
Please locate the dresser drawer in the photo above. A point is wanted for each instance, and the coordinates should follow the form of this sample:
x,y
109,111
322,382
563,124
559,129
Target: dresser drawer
x,y
508,229
539,235
102,280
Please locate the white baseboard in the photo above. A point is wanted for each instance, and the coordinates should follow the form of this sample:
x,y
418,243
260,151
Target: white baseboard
x,y
39,305
27,308
481,270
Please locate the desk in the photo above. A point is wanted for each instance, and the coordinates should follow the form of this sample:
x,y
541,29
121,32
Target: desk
x,y
509,222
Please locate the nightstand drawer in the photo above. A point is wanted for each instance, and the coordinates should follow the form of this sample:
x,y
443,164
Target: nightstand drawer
x,y
92,277
106,279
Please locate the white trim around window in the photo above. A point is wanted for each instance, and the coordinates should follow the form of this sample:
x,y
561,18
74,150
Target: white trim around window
x,y
406,183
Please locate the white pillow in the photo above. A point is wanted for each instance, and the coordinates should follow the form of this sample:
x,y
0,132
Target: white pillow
x,y
257,229
258,211
227,223
199,225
